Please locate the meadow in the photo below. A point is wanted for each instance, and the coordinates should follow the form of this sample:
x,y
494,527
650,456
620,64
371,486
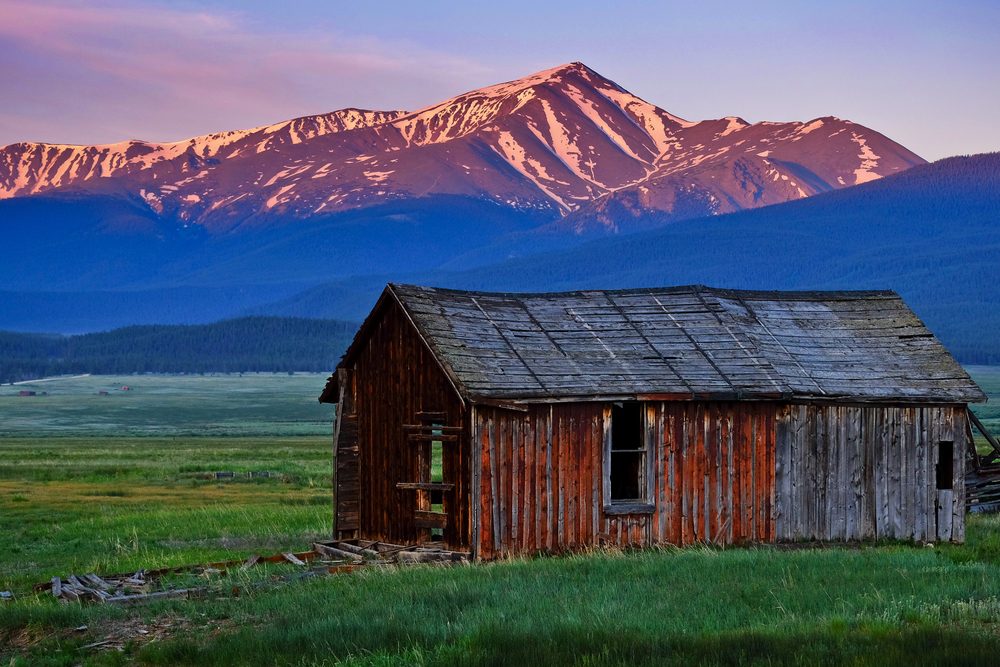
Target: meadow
x,y
92,483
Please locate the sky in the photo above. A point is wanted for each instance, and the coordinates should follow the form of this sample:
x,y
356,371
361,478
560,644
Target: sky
x,y
926,74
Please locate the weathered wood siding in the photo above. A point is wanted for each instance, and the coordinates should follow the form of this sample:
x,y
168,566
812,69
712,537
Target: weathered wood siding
x,y
394,378
714,471
868,472
721,472
539,485
542,472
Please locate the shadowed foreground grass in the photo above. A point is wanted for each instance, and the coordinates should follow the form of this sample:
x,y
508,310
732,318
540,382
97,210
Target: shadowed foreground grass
x,y
879,605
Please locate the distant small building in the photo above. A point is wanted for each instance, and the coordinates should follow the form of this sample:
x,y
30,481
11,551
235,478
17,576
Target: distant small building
x,y
27,392
649,416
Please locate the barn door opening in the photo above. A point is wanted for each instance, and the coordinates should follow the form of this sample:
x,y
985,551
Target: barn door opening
x,y
944,471
429,437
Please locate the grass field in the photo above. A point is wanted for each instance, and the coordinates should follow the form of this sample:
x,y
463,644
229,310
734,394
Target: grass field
x,y
257,404
128,483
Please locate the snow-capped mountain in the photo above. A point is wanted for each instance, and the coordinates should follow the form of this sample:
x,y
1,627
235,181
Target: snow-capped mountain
x,y
565,141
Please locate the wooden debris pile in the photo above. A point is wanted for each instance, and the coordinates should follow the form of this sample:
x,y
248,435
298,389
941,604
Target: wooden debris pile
x,y
120,589
141,586
325,558
367,552
982,477
982,489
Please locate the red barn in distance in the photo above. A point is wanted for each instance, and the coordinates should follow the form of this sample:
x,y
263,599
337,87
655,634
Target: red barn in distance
x,y
506,423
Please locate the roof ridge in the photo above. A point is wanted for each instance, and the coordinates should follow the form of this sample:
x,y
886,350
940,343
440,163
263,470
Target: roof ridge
x,y
804,295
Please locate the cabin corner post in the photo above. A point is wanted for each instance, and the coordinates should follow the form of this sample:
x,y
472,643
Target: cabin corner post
x,y
337,421
476,475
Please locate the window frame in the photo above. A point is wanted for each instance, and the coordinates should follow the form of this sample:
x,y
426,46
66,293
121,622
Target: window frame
x,y
643,505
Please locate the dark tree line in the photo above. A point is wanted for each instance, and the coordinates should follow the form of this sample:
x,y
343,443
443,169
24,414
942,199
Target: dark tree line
x,y
250,344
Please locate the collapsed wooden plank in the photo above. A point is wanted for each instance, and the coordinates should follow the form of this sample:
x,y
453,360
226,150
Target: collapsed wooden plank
x,y
152,597
293,559
335,553
95,580
358,550
431,556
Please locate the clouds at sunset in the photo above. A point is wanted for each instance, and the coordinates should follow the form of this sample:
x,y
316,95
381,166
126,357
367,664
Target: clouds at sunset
x,y
921,71
118,70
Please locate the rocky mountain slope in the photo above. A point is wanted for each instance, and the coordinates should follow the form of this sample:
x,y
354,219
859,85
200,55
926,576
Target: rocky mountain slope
x,y
566,143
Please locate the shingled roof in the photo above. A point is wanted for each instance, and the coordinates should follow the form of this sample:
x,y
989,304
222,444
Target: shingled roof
x,y
693,341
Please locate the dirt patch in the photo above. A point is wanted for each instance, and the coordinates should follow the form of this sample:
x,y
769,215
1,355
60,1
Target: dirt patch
x,y
116,634
109,635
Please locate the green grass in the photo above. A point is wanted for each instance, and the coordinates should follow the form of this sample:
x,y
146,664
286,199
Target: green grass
x,y
256,404
77,496
117,504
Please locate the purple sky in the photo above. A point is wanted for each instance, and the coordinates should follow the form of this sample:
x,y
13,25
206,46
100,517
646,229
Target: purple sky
x,y
925,73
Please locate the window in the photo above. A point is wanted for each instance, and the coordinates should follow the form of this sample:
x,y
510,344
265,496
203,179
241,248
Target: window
x,y
945,467
627,462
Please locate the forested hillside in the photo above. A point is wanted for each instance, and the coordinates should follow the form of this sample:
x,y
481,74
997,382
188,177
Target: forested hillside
x,y
240,345
932,234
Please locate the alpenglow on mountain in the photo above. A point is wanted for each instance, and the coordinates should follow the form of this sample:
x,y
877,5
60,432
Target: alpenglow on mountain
x,y
565,143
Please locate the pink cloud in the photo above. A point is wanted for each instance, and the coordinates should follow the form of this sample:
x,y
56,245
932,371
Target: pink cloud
x,y
103,72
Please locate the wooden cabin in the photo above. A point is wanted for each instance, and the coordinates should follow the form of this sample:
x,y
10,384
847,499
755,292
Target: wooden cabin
x,y
515,423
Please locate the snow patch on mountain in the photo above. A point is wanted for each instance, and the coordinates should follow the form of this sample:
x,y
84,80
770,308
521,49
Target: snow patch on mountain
x,y
869,161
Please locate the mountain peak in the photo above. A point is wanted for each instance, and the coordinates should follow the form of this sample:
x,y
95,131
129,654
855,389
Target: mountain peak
x,y
558,141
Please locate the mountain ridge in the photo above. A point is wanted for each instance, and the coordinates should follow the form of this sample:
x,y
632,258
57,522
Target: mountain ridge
x,y
564,141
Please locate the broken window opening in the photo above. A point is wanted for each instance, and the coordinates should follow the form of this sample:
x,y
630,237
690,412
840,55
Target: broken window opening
x,y
945,468
628,453
437,476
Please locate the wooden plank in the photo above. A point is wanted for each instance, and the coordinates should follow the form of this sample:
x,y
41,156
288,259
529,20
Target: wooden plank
x,y
142,598
550,492
945,514
496,465
559,463
425,486
426,519
291,558
358,549
530,497
661,462
430,416
430,437
335,553
957,416
595,450
432,429
713,493
486,539
821,440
